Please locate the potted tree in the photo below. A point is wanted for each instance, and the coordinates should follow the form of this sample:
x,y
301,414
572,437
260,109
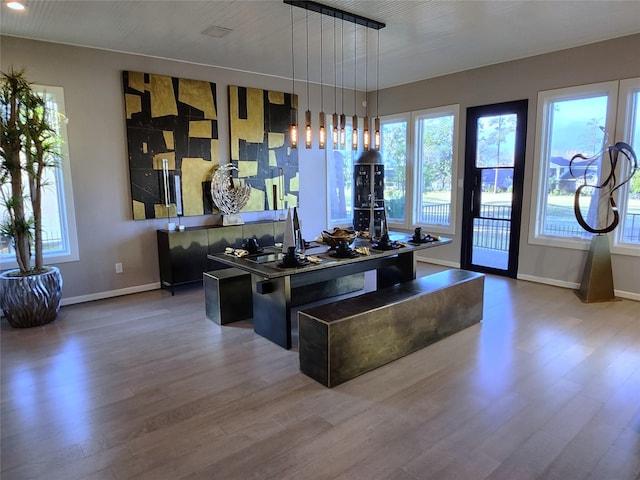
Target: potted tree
x,y
29,144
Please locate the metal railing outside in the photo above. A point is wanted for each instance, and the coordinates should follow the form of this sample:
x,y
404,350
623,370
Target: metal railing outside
x,y
566,230
491,234
435,213
49,242
631,228
497,236
496,211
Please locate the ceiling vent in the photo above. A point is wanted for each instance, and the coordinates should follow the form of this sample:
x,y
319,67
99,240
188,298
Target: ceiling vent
x,y
216,31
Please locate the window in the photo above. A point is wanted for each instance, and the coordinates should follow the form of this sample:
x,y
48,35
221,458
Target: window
x,y
421,146
577,120
340,180
434,156
583,120
58,216
436,161
627,235
393,148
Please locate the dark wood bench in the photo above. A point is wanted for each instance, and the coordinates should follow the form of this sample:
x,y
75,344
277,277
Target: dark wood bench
x,y
341,340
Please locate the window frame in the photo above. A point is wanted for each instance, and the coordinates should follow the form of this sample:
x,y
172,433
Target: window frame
x,y
416,117
628,110
409,170
64,187
546,98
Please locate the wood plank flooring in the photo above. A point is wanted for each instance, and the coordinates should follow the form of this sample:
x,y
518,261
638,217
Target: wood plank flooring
x,y
144,386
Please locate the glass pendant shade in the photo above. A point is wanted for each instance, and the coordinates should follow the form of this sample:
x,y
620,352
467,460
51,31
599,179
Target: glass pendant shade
x,y
322,132
376,138
335,136
293,129
308,134
366,137
354,133
343,130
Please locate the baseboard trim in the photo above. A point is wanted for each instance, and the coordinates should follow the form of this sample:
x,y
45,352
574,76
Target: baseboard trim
x,y
436,261
574,285
109,294
627,295
548,281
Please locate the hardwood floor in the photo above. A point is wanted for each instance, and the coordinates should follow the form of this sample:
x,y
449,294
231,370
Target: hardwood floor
x,y
145,387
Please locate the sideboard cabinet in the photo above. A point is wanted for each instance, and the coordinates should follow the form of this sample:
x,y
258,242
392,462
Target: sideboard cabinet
x,y
182,255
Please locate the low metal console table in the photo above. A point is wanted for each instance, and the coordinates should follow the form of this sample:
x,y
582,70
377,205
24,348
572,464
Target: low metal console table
x,y
182,255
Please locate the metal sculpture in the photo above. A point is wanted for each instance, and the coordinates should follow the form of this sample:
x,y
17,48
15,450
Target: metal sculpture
x,y
610,182
229,197
597,278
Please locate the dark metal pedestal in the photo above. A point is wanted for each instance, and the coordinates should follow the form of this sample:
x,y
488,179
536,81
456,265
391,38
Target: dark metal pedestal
x,y
341,340
227,295
597,278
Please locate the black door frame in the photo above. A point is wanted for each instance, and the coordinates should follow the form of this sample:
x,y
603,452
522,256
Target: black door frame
x,y
473,184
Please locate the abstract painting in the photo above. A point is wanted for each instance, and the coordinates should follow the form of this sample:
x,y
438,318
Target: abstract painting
x,y
259,122
172,134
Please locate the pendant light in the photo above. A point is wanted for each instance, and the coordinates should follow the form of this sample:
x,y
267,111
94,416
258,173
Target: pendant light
x,y
338,132
366,137
322,133
354,119
335,134
343,117
308,134
293,128
376,138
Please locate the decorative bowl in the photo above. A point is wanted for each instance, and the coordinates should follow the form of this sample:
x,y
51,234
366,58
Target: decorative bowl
x,y
339,236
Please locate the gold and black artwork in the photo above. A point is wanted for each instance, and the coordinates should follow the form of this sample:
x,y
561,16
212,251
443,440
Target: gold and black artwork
x,y
172,134
260,149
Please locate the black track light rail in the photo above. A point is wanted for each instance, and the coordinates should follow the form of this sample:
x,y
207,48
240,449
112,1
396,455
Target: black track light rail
x,y
337,13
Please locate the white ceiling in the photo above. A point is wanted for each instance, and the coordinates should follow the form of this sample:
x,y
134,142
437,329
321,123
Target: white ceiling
x,y
422,39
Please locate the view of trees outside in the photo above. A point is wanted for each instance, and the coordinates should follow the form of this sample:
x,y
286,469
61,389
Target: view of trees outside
x,y
496,141
495,158
435,162
393,149
631,232
635,144
340,181
51,179
495,147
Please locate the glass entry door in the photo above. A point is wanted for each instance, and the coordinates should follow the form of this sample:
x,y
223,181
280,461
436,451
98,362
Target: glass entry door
x,y
494,171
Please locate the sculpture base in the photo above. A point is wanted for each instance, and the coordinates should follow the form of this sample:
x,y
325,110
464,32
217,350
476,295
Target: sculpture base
x,y
232,219
597,278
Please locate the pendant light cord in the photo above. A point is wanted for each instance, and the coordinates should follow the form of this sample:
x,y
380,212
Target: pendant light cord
x,y
342,65
321,62
335,71
293,71
307,31
378,77
366,75
355,69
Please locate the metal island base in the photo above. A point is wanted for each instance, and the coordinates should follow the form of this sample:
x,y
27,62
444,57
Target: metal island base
x,y
275,289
